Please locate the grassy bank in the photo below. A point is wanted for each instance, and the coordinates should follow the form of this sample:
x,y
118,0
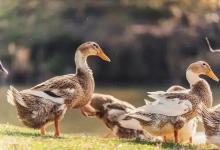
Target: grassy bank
x,y
17,138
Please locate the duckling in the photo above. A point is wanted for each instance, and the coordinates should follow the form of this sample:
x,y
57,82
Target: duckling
x,y
48,101
172,110
112,112
211,123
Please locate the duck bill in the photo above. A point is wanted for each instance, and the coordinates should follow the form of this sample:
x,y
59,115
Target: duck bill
x,y
103,56
212,76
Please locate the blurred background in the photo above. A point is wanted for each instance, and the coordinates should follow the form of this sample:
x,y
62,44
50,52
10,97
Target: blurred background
x,y
150,43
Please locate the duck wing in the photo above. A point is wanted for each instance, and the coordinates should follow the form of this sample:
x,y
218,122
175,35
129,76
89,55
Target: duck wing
x,y
57,89
169,104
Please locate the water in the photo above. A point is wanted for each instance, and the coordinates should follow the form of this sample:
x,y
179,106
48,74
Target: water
x,y
74,122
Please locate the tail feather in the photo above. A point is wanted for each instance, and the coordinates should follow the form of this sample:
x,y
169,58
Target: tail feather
x,y
10,97
13,97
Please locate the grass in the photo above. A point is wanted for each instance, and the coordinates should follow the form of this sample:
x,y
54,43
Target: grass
x,y
19,138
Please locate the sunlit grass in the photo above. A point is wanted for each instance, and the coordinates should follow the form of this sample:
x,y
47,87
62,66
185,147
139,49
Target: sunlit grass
x,y
13,137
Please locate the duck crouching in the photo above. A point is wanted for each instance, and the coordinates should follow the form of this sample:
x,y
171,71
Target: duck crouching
x,y
113,113
36,112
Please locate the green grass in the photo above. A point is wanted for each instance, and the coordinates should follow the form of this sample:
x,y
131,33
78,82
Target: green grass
x,y
18,138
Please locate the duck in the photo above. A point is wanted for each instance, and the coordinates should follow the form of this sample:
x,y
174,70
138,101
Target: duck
x,y
112,113
172,110
48,101
211,123
187,132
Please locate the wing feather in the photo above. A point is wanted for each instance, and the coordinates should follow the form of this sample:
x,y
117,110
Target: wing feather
x,y
169,104
57,89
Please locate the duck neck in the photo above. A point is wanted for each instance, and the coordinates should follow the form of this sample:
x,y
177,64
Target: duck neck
x,y
200,87
192,77
81,61
85,78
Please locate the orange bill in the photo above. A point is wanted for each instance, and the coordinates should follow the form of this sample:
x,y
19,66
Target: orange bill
x,y
103,56
212,75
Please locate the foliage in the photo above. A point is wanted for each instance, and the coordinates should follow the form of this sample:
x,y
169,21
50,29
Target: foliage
x,y
147,40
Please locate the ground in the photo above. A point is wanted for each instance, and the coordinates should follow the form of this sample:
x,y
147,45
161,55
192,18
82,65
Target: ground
x,y
19,138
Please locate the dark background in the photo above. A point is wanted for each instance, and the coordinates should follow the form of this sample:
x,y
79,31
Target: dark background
x,y
150,42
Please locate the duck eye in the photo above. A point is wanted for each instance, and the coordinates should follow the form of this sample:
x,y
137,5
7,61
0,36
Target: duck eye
x,y
96,46
203,64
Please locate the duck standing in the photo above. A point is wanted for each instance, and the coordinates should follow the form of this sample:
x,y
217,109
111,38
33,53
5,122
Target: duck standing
x,y
48,101
172,110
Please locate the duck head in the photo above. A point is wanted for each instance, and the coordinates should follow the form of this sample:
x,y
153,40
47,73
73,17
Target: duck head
x,y
2,69
92,49
199,68
88,49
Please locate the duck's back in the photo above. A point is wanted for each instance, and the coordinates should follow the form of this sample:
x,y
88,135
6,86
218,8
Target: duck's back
x,y
75,90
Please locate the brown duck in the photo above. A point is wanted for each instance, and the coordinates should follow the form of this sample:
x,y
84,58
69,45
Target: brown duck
x,y
48,101
172,110
112,112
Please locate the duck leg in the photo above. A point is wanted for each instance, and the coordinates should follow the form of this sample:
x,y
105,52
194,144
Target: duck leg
x,y
190,140
108,135
176,136
88,110
42,131
57,127
165,139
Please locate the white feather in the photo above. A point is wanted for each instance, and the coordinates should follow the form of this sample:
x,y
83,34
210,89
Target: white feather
x,y
62,107
34,114
115,112
45,96
147,102
131,124
70,90
10,98
165,106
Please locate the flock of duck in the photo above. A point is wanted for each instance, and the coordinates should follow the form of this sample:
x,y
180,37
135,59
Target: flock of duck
x,y
173,115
